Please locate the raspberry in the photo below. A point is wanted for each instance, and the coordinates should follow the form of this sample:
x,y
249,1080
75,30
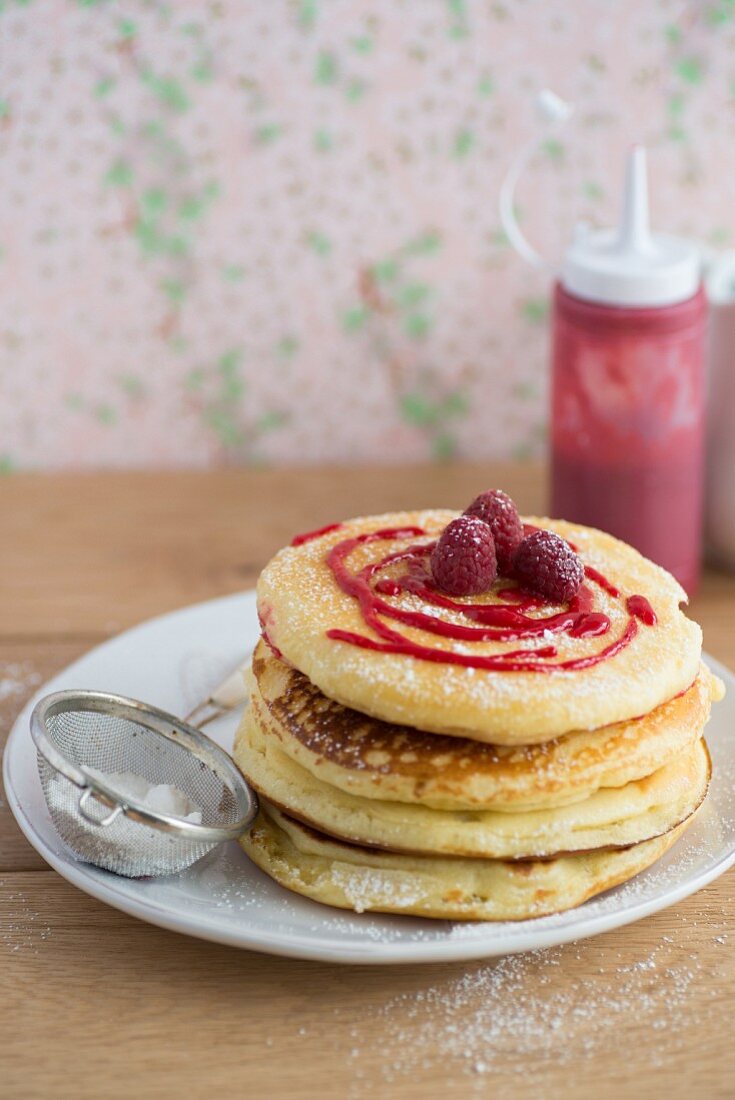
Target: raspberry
x,y
497,510
547,565
463,561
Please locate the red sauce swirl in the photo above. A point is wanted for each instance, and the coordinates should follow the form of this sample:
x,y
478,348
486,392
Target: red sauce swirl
x,y
506,621
640,608
309,536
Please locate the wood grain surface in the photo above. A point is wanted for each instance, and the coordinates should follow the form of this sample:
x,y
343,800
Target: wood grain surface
x,y
96,1004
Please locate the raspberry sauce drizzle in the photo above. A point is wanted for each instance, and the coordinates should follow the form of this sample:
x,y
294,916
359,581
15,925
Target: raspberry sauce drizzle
x,y
500,622
640,608
604,583
264,632
308,536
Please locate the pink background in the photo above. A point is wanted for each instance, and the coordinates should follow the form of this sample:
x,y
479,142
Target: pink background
x,y
266,231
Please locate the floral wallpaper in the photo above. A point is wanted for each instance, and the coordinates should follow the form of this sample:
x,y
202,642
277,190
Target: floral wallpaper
x,y
266,231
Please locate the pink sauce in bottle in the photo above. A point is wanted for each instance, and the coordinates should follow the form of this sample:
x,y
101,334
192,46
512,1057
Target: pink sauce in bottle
x,y
627,435
628,386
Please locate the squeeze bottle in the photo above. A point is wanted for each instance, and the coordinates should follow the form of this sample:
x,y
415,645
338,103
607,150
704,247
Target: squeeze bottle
x,y
627,433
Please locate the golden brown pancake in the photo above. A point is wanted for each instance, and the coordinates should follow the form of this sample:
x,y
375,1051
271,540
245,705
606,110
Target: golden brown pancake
x,y
365,756
300,602
609,818
350,877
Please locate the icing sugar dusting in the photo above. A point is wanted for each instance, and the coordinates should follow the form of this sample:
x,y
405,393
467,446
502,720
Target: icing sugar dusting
x,y
17,680
542,1005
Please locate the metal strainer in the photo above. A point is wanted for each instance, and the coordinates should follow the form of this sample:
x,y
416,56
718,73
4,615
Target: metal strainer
x,y
74,731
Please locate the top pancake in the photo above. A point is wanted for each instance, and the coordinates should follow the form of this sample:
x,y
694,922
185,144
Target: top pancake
x,y
299,601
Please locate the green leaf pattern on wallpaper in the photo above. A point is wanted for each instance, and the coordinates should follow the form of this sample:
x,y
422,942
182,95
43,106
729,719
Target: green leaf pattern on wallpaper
x,y
267,232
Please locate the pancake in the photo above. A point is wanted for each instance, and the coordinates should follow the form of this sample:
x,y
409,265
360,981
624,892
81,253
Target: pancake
x,y
610,818
350,877
299,601
380,760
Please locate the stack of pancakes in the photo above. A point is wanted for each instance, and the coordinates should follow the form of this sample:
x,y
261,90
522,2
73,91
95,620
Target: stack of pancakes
x,y
396,783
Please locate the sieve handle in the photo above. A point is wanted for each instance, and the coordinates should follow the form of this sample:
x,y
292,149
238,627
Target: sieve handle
x,y
102,822
231,693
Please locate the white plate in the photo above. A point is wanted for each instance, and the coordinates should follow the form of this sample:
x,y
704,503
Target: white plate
x,y
173,662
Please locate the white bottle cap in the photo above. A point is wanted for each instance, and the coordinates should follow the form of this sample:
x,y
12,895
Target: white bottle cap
x,y
630,266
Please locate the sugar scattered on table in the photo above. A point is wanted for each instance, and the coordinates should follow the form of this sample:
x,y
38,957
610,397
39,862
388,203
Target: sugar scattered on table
x,y
499,1016
17,679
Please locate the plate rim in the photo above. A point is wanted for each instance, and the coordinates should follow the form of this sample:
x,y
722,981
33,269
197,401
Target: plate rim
x,y
110,890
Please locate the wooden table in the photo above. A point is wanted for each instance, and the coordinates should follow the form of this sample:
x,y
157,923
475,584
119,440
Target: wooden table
x,y
94,1003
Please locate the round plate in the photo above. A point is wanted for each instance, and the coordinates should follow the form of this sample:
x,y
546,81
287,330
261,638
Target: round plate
x,y
174,661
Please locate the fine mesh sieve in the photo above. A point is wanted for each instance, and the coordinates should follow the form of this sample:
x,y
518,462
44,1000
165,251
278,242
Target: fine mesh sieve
x,y
75,731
